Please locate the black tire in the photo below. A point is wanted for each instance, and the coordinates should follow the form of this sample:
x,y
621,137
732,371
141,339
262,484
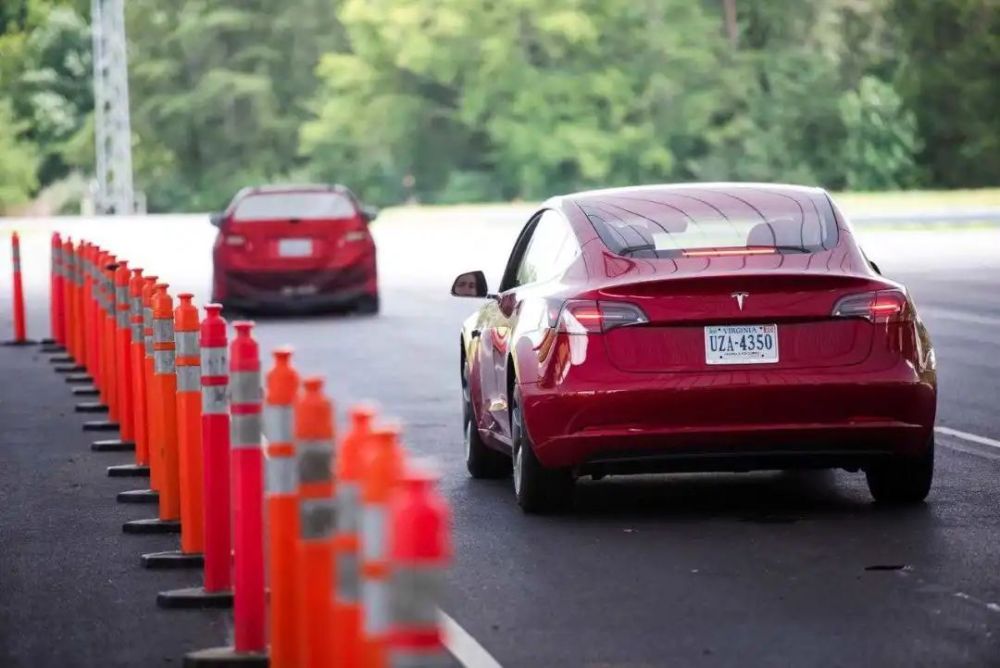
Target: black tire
x,y
538,490
902,480
482,461
367,305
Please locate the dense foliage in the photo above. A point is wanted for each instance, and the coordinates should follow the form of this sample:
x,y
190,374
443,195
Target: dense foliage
x,y
470,100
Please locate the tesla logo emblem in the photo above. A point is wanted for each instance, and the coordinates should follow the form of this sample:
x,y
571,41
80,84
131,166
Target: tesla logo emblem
x,y
739,297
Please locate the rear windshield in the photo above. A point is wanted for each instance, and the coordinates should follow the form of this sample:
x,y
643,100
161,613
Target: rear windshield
x,y
298,205
694,221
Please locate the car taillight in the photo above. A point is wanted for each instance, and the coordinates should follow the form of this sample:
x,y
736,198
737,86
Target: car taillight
x,y
584,316
235,240
878,307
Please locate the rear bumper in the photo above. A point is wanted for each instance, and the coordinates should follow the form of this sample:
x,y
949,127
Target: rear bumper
x,y
296,291
706,422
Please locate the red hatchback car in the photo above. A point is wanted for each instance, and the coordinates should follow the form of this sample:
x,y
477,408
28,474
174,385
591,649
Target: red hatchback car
x,y
295,248
700,327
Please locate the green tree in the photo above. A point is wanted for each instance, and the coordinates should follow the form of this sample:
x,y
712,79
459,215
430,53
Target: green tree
x,y
882,141
18,161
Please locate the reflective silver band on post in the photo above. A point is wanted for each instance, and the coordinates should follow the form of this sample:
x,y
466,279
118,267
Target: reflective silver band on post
x,y
121,319
148,341
245,431
314,461
163,330
349,502
57,268
188,378
214,361
416,590
164,362
244,387
186,344
121,295
282,476
215,400
348,572
136,329
318,518
16,263
375,594
278,420
374,542
414,658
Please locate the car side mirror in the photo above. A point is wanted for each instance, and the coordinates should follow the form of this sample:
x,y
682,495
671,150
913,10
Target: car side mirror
x,y
217,218
470,284
369,213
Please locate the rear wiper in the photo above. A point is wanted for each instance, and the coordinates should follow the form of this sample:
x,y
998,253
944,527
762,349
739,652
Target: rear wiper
x,y
799,249
628,250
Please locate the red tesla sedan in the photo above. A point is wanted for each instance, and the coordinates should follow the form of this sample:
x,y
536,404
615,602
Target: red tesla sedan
x,y
295,248
699,327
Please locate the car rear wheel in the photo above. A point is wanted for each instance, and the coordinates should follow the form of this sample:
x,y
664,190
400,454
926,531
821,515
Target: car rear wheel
x,y
480,459
902,480
538,490
367,305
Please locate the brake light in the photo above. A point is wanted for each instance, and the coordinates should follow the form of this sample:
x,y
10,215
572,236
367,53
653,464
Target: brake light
x,y
584,316
730,251
878,307
235,239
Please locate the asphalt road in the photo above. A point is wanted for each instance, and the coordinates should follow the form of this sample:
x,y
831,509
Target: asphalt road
x,y
694,570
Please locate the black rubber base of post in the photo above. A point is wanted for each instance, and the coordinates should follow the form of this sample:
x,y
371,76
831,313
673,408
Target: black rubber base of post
x,y
224,656
172,559
112,445
79,378
90,407
50,349
86,391
68,368
25,342
128,471
62,359
152,525
48,342
100,425
139,496
194,598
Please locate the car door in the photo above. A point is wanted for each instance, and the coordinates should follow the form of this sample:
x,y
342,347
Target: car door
x,y
543,252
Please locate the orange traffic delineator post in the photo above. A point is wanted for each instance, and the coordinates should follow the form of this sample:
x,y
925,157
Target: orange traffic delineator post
x,y
122,382
20,338
152,414
249,599
351,457
72,365
314,433
56,314
419,549
216,591
189,468
382,473
163,389
282,509
137,385
108,383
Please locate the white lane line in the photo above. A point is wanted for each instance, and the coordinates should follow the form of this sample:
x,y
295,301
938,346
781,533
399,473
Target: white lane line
x,y
464,647
966,436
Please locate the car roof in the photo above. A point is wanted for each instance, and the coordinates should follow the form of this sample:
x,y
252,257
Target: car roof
x,y
667,188
290,188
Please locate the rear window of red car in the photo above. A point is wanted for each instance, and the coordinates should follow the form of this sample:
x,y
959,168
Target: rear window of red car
x,y
317,205
668,222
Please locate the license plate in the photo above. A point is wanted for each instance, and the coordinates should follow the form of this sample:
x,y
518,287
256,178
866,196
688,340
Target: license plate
x,y
741,344
295,247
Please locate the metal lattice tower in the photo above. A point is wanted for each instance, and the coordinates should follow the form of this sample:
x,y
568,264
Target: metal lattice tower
x,y
112,128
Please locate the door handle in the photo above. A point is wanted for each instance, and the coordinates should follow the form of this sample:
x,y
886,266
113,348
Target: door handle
x,y
475,333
